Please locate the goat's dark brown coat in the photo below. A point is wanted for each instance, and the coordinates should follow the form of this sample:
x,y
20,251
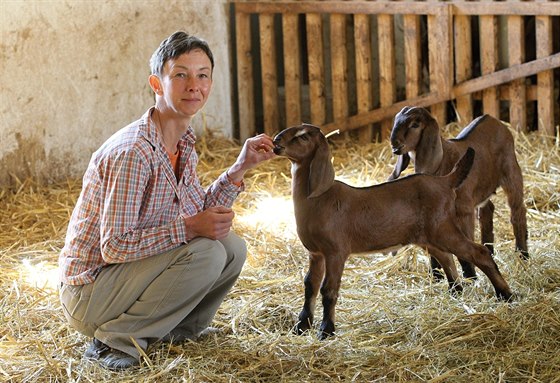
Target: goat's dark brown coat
x,y
335,219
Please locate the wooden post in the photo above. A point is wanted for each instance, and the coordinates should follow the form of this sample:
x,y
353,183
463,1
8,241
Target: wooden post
x,y
441,58
363,71
292,76
339,67
245,93
516,46
489,62
387,87
545,80
316,68
463,65
412,54
269,73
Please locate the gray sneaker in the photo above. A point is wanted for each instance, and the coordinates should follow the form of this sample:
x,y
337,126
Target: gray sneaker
x,y
108,357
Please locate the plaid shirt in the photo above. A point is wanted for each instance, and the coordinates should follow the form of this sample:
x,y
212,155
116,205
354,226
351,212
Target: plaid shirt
x,y
131,205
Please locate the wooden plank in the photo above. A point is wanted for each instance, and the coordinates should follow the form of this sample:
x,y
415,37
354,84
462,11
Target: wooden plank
x,y
527,8
382,113
463,65
399,7
269,74
516,47
412,54
338,7
292,71
339,66
245,93
545,79
507,75
440,52
489,61
316,68
387,87
362,38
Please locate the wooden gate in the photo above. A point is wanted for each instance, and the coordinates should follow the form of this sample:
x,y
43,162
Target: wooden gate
x,y
354,64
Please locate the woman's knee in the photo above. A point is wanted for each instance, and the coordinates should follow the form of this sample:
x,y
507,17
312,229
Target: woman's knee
x,y
236,249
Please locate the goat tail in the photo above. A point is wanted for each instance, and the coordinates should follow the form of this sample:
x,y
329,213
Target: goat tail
x,y
462,169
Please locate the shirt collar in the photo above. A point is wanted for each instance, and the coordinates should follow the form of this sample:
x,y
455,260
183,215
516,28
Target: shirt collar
x,y
148,129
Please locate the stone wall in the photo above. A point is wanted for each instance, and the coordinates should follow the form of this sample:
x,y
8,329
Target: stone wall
x,y
73,72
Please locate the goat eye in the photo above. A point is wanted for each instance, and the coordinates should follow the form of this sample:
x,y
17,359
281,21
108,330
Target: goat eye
x,y
304,137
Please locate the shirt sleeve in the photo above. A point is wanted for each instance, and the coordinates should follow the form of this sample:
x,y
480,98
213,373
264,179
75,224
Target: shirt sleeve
x,y
223,192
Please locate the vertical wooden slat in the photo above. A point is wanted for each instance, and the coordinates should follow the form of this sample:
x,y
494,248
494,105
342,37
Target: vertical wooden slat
x,y
292,75
339,66
489,62
245,93
545,80
387,87
412,54
269,73
362,39
516,46
441,57
463,65
316,68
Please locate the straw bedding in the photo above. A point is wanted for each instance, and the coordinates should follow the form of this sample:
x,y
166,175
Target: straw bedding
x,y
394,323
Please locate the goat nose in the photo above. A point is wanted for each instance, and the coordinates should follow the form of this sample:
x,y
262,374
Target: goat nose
x,y
397,147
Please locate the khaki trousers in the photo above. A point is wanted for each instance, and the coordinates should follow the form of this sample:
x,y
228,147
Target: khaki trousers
x,y
174,294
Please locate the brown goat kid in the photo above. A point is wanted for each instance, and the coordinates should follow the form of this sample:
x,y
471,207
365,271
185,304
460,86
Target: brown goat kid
x,y
416,135
334,220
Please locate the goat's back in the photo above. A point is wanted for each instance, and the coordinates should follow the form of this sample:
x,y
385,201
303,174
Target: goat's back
x,y
494,161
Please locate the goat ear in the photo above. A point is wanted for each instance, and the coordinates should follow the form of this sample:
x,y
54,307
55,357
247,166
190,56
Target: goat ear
x,y
402,162
321,172
429,151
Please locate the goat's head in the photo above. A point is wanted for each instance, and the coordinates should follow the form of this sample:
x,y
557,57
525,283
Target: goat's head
x,y
408,129
306,144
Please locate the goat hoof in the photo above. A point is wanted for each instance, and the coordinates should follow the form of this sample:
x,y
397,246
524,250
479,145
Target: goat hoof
x,y
324,335
524,254
455,288
326,330
438,275
301,328
505,296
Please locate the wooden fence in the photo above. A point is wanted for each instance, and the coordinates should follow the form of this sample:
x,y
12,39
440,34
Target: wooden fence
x,y
354,64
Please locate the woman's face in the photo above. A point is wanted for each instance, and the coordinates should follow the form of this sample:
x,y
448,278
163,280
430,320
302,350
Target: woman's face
x,y
186,82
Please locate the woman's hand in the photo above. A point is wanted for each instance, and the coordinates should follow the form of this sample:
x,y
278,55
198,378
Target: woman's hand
x,y
255,150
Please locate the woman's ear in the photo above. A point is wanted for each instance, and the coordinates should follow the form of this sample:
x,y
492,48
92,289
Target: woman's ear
x,y
155,84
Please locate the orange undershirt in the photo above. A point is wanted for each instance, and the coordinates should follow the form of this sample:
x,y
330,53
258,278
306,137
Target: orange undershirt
x,y
174,158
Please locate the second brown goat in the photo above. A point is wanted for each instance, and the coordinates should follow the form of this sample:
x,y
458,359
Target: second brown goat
x,y
335,220
416,136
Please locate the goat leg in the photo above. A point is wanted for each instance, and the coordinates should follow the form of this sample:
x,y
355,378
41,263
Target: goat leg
x,y
312,283
447,263
514,192
472,252
436,269
465,214
329,292
485,219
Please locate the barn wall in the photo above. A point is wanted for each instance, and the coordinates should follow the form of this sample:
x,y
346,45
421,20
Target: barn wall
x,y
74,72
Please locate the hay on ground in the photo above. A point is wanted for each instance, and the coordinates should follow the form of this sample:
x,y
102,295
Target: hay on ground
x,y
394,323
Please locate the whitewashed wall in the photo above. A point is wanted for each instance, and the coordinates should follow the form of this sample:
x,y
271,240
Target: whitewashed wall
x,y
74,72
